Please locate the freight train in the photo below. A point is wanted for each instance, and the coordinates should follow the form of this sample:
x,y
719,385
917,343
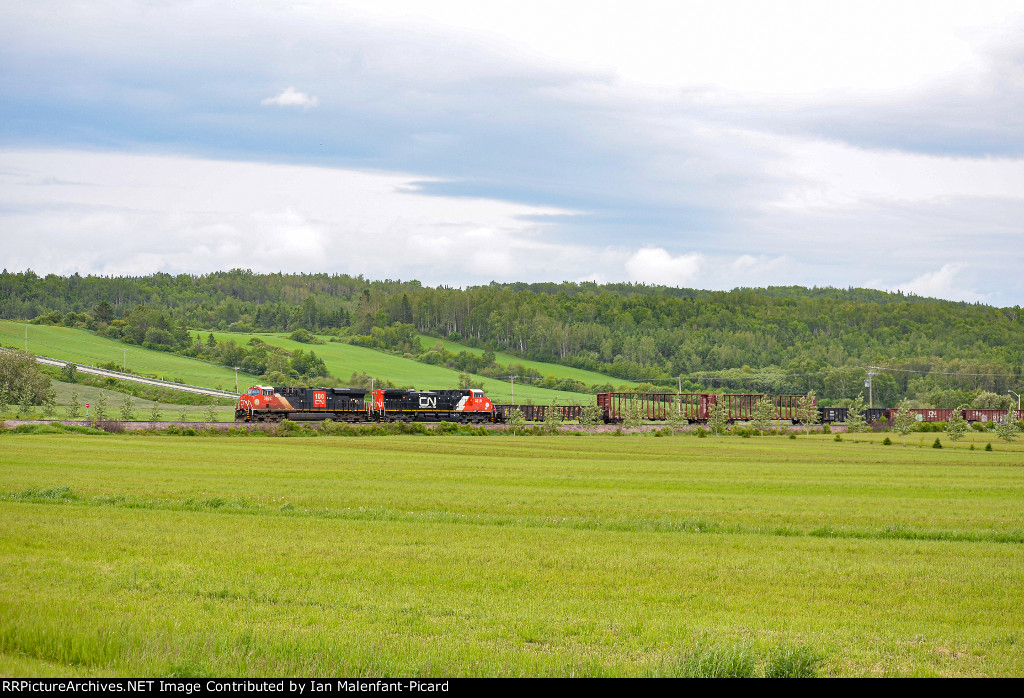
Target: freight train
x,y
274,404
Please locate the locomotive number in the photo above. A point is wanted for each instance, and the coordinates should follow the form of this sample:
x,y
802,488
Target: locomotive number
x,y
319,398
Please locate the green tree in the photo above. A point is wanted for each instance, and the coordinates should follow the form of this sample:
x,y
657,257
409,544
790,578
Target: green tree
x,y
1007,429
69,373
154,413
5,399
855,421
957,426
632,416
128,409
211,411
553,417
764,413
99,412
515,420
74,407
904,421
183,414
718,415
26,401
49,402
676,415
807,412
590,415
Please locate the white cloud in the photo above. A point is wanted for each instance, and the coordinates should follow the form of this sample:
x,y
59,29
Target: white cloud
x,y
941,284
147,213
654,265
292,98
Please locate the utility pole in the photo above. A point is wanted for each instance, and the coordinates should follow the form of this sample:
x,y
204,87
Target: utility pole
x,y
26,339
680,379
124,361
869,384
1018,398
236,378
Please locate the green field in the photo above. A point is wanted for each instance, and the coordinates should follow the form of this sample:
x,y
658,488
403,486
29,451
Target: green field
x,y
505,556
344,359
546,369
84,347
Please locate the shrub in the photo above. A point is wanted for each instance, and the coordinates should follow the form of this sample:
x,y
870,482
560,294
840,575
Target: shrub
x,y
887,441
838,437
988,447
792,435
937,444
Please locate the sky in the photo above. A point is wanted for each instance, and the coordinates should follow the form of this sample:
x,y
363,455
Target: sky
x,y
697,144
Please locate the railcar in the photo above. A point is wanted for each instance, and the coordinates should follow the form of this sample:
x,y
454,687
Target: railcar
x,y
693,407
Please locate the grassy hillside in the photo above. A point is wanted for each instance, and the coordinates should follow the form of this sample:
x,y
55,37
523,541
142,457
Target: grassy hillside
x,y
343,359
86,347
546,369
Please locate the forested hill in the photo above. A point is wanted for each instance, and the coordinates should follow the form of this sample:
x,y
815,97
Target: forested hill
x,y
791,337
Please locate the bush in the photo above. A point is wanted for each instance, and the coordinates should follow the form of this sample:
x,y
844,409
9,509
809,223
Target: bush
x,y
701,433
838,437
792,435
826,429
887,441
988,447
937,444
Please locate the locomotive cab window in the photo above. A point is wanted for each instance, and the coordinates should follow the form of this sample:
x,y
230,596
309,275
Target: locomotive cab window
x,y
268,391
478,393
254,391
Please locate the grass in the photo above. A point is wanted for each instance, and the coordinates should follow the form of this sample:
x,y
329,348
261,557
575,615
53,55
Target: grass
x,y
344,359
546,369
82,346
503,556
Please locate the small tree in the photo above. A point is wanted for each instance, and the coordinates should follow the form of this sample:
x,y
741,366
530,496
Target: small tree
x,y
590,415
904,421
515,420
718,415
676,415
1007,430
26,401
764,413
49,402
957,426
128,409
100,410
69,373
154,413
553,418
807,412
855,422
5,398
633,416
183,414
74,408
211,411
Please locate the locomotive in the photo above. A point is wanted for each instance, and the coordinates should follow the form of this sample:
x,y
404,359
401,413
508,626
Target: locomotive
x,y
263,403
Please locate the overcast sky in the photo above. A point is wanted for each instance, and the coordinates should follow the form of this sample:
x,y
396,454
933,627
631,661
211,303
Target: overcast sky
x,y
709,145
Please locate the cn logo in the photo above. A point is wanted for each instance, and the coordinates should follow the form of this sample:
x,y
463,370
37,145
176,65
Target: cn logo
x,y
428,402
319,398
